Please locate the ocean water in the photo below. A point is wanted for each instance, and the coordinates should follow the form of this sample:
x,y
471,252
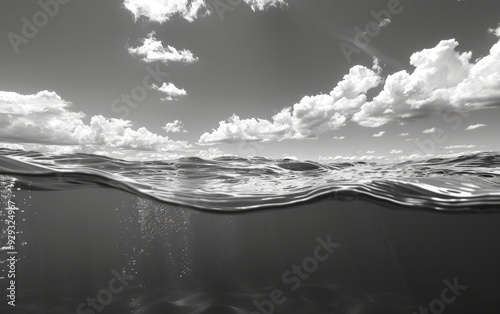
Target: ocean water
x,y
234,235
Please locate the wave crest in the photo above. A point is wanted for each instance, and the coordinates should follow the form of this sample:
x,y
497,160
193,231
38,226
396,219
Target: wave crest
x,y
468,182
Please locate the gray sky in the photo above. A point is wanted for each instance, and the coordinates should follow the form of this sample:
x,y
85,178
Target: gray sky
x,y
251,60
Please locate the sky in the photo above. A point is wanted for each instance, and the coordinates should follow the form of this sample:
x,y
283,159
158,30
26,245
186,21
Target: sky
x,y
308,79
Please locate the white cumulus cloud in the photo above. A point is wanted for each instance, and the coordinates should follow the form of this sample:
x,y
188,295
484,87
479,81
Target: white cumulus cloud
x,y
443,80
379,134
211,153
264,4
170,90
46,118
174,127
153,50
311,116
495,31
162,10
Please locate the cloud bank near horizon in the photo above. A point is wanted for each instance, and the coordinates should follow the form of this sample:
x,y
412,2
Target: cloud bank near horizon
x,y
443,80
45,118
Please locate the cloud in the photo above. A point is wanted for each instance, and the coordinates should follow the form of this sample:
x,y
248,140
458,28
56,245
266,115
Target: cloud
x,y
495,31
416,156
410,96
379,134
239,130
475,126
396,151
153,50
211,153
171,90
460,146
311,116
264,4
139,155
174,127
46,118
429,131
384,23
443,80
339,137
161,11
421,156
376,66
404,134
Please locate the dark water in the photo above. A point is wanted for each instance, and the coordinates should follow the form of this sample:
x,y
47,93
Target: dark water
x,y
97,235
